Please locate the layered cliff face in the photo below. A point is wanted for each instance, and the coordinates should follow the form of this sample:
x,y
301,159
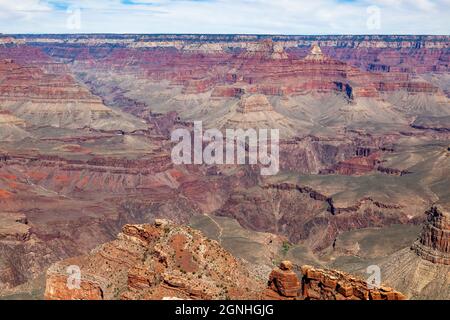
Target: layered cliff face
x,y
156,261
256,112
308,93
434,241
265,49
307,215
45,95
421,270
323,284
426,53
272,54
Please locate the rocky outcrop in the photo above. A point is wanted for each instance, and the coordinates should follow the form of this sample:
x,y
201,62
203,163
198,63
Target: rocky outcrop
x,y
283,282
153,262
422,271
315,54
57,289
434,242
355,165
254,103
440,124
392,171
320,284
323,284
14,227
265,49
254,111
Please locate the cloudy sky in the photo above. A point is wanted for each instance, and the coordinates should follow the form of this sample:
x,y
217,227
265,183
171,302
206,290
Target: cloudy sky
x,y
226,16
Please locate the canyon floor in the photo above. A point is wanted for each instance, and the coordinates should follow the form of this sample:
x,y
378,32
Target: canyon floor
x,y
364,157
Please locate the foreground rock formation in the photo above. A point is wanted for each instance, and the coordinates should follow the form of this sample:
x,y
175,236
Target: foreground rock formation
x,y
167,261
283,281
321,284
156,261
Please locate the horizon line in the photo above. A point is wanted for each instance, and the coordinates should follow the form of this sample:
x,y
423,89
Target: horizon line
x,y
233,34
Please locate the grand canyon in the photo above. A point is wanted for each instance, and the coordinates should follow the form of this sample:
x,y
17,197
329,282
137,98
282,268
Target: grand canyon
x,y
87,179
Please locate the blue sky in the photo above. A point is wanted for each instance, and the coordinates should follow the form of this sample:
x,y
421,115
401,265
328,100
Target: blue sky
x,y
226,16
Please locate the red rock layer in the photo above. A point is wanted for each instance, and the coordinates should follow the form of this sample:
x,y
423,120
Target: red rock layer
x,y
356,165
320,284
366,65
283,282
20,82
434,241
263,68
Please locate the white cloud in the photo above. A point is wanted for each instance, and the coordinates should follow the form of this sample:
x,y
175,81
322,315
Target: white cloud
x,y
26,9
228,16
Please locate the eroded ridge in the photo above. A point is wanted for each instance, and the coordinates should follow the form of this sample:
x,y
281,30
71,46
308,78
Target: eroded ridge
x,y
434,242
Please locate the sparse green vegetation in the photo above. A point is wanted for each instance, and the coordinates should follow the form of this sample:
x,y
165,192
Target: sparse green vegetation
x,y
285,247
